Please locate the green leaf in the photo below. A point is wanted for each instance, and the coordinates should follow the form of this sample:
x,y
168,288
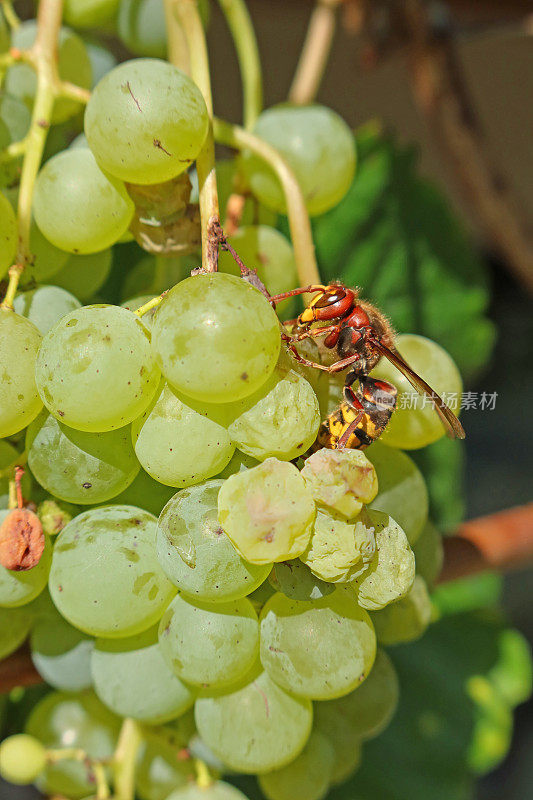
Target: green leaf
x,y
395,235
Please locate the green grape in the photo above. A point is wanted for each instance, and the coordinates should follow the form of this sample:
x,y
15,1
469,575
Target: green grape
x,y
239,462
60,653
295,580
90,13
83,276
369,708
402,491
216,338
19,399
22,758
340,480
20,587
159,768
72,720
391,572
78,207
79,141
269,252
73,65
208,645
45,306
230,181
141,27
330,721
415,423
339,551
318,146
319,649
280,419
175,444
79,467
105,577
196,554
429,553
255,728
15,624
8,235
133,679
9,455
146,493
95,370
267,512
219,790
407,618
146,121
14,125
305,778
55,514
102,62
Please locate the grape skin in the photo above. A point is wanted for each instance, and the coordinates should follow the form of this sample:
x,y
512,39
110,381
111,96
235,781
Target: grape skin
x,y
319,649
15,624
341,480
19,400
146,121
176,445
105,577
219,790
257,727
196,554
95,370
132,678
267,512
22,758
402,490
305,778
84,275
211,646
78,207
339,551
79,467
60,653
406,619
215,338
319,147
391,573
45,306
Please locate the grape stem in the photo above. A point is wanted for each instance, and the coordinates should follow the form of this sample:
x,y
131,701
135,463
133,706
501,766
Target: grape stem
x,y
10,14
178,53
315,53
242,31
153,303
124,759
43,58
191,24
96,767
203,776
300,226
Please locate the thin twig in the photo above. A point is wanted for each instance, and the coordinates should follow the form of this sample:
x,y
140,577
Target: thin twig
x,y
315,52
243,34
300,227
191,23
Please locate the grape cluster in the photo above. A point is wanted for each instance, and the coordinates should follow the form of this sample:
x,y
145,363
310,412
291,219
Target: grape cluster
x,y
204,572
